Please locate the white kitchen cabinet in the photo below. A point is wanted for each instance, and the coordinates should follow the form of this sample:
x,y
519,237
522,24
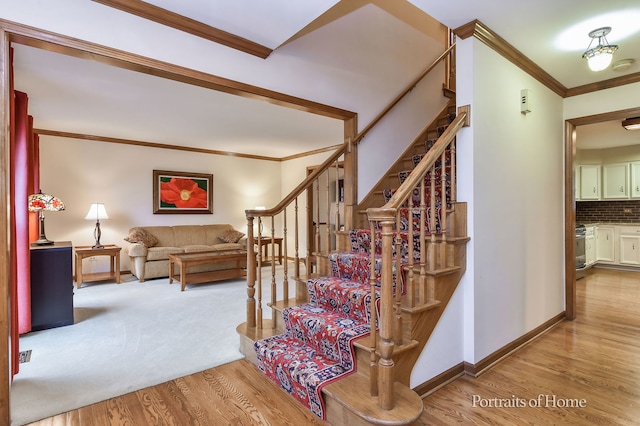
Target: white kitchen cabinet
x,y
590,246
635,179
630,249
605,244
615,181
589,182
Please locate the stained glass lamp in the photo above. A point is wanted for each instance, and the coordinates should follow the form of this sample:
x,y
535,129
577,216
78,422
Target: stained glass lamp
x,y
40,203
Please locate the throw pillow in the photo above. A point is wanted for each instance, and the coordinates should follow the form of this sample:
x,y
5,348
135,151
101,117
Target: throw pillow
x,y
139,235
231,236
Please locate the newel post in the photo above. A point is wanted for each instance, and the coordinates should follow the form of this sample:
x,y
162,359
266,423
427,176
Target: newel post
x,y
251,276
386,376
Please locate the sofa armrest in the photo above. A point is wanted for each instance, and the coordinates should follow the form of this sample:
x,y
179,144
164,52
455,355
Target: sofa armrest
x,y
136,250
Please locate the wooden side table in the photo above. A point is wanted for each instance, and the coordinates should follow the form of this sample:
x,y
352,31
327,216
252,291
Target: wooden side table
x,y
265,242
111,250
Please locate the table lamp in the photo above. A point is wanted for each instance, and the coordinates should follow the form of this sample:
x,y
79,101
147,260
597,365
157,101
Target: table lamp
x,y
40,203
97,212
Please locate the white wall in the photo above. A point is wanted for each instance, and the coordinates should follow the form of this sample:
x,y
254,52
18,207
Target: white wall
x,y
519,186
614,99
511,173
82,172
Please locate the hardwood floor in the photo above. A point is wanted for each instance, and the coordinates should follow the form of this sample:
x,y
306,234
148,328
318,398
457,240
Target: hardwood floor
x,y
595,358
591,366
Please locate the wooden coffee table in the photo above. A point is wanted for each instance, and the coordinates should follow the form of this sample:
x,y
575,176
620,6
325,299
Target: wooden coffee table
x,y
185,260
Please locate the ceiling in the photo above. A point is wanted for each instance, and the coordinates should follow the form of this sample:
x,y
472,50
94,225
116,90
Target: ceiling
x,y
79,96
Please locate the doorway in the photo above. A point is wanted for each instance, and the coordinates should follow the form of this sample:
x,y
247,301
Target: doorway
x,y
570,197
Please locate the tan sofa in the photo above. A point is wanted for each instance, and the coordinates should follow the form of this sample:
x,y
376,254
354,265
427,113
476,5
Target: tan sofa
x,y
148,247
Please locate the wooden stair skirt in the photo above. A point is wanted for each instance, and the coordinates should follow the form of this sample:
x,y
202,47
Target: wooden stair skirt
x,y
347,400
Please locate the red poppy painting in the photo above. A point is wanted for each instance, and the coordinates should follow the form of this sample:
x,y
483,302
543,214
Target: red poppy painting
x,y
180,192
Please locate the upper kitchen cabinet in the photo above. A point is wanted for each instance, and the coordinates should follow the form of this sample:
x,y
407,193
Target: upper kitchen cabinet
x,y
617,152
635,179
589,182
615,181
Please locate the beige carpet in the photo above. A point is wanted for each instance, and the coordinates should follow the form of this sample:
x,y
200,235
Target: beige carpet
x,y
127,337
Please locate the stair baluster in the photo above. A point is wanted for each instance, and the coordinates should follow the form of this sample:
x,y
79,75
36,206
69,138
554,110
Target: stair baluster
x,y
386,378
259,274
397,331
251,278
424,248
285,256
373,337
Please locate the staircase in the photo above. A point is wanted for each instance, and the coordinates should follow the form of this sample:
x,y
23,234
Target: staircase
x,y
397,275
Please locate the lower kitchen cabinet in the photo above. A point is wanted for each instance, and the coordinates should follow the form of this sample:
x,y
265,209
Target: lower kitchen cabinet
x,y
605,244
630,249
590,246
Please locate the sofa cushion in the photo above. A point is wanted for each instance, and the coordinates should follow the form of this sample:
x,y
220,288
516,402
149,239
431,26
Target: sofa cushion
x,y
164,235
139,235
197,247
228,246
162,253
231,236
187,235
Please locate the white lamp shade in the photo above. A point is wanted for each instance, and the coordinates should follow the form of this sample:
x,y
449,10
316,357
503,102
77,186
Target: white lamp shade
x,y
600,61
97,212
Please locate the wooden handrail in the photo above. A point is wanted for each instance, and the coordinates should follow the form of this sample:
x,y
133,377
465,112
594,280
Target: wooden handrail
x,y
382,221
398,98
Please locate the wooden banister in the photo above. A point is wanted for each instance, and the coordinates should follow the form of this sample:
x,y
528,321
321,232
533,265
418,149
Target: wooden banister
x,y
382,221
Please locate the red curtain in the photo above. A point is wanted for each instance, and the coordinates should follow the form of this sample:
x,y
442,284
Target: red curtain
x,y
24,165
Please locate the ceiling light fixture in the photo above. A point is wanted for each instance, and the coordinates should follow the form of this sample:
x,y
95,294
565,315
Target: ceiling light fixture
x,y
622,64
600,56
631,123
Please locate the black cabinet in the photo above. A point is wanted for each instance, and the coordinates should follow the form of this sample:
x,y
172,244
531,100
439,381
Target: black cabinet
x,y
51,286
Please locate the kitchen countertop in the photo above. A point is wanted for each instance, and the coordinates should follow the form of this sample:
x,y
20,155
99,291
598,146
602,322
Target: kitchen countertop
x,y
611,223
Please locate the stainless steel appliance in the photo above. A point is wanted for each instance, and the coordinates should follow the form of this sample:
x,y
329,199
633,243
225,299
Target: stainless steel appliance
x,y
581,259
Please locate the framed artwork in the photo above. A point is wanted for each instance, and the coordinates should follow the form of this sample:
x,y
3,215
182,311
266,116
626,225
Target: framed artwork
x,y
182,193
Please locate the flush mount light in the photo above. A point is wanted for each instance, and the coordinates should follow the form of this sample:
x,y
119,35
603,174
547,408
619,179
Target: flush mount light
x,y
622,64
600,56
631,123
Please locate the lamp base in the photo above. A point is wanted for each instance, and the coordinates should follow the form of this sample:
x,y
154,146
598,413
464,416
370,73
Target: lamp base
x,y
42,242
98,246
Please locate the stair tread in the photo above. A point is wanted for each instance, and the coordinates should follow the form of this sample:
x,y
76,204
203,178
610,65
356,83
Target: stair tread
x,y
256,333
364,343
282,304
421,308
352,392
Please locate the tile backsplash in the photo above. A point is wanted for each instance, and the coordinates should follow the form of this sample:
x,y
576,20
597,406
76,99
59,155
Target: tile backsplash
x,y
608,211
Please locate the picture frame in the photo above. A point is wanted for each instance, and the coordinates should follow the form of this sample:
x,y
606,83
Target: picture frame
x,y
182,192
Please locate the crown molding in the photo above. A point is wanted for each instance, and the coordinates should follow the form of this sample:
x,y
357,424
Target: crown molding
x,y
605,84
480,31
188,25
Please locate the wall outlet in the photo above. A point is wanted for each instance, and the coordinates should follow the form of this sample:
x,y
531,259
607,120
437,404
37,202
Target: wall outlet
x,y
93,259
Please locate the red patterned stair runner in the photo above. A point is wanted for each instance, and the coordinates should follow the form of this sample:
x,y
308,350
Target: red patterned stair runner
x,y
316,347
